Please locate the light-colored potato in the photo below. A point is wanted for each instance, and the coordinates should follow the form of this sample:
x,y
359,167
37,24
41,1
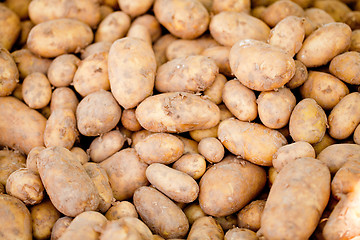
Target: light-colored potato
x,y
229,27
318,17
355,41
190,146
261,66
280,10
105,10
336,9
308,122
63,97
135,7
324,143
121,209
198,135
36,90
220,54
80,155
18,92
97,113
140,227
129,121
346,67
120,230
31,159
20,7
160,47
184,48
356,136
26,26
97,47
151,23
113,27
55,37
43,218
192,164
206,228
138,136
345,116
272,174
345,180
62,70
59,227
177,112
212,149
240,234
141,32
26,128
230,5
9,75
300,76
187,19
126,173
250,216
251,141
57,166
10,27
293,208
193,212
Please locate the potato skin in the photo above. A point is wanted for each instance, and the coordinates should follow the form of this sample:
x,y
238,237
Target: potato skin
x,y
234,181
279,10
151,23
176,112
240,234
192,164
36,90
10,27
293,208
62,70
63,97
59,227
121,209
250,216
15,220
26,129
9,75
212,149
318,17
113,27
206,228
220,54
345,66
58,167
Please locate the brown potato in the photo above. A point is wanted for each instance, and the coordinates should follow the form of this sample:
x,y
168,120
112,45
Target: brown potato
x,y
80,155
198,135
229,27
230,5
62,70
220,54
97,47
105,10
279,10
137,225
160,47
182,48
318,17
63,97
345,66
190,146
355,41
26,27
10,27
293,208
121,209
20,7
206,228
151,23
212,149
240,234
192,164
356,136
141,32
135,7
193,212
138,136
337,10
59,227
129,121
324,143
113,27
18,92
31,159
9,75
36,90
300,76
250,216
345,180
121,230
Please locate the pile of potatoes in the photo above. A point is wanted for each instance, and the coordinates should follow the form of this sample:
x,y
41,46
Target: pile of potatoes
x,y
179,119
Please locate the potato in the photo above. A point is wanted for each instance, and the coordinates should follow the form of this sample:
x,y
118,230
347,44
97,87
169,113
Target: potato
x,y
187,19
97,47
251,141
345,180
126,173
182,48
83,10
212,149
121,230
356,136
36,90
171,223
190,146
345,116
192,164
151,23
291,152
177,112
160,47
62,70
293,28
275,107
19,7
318,17
316,48
334,156
31,159
55,37
14,218
240,100
129,121
324,88
63,97
337,10
26,26
59,227
324,143
193,212
138,225
307,122
138,136
229,27
344,66
198,135
9,75
139,32
160,148
58,167
250,216
123,53
43,216
300,76
279,10
293,208
26,128
230,5
220,54
18,92
86,225
261,66
10,27
105,10
240,234
80,155
135,7
120,210
206,228
28,63
97,113
234,182
26,186
113,27
355,41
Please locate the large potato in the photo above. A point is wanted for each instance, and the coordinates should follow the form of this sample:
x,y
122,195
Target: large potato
x,y
113,27
132,67
261,66
346,67
336,9
177,112
9,75
9,27
206,228
10,161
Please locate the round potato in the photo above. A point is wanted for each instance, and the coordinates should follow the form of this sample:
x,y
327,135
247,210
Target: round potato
x,y
113,27
9,75
345,66
192,164
36,90
63,97
250,216
59,227
151,23
97,47
355,41
129,121
300,76
198,135
212,149
206,228
10,27
121,209
80,155
135,7
62,70
279,10
140,32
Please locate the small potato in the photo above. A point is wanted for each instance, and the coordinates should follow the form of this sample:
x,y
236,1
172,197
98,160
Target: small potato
x,y
26,186
105,10
138,136
97,47
189,74
355,41
240,234
15,220
307,122
250,216
272,174
318,17
160,148
129,121
212,149
206,228
137,225
198,135
353,19
346,67
220,54
293,214
192,164
80,155
63,97
187,19
190,146
345,116
121,230
18,92
9,76
315,49
31,159
324,143
280,10
230,5
126,173
275,107
171,223
113,27
26,27
251,141
20,7
135,7
10,161
59,227
291,152
26,128
234,182
300,76
227,222
193,212
151,23
36,90
160,47
120,210
229,27
62,70
240,100
55,37
357,135
324,88
43,216
261,66
177,112
337,10
345,180
10,27
141,32
97,113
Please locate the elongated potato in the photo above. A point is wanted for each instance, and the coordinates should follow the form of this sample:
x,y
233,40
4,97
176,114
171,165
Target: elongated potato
x,y
318,17
234,182
177,112
184,48
230,5
140,32
261,66
10,27
58,167
192,164
62,70
251,141
9,76
279,10
171,223
293,208
131,83
337,10
36,90
113,27
345,66
55,37
121,209
63,97
206,228
250,216
212,149
25,130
